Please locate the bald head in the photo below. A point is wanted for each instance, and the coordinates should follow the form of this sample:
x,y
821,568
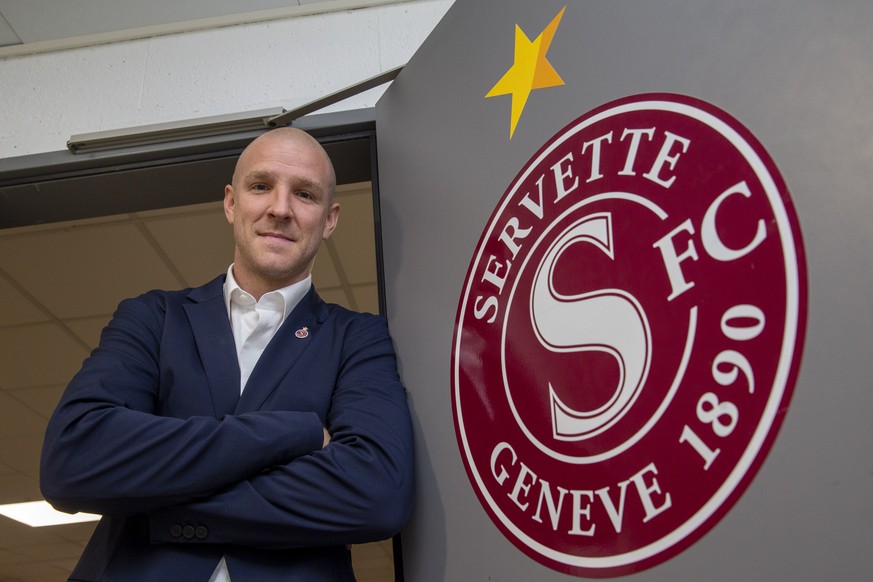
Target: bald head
x,y
281,205
286,135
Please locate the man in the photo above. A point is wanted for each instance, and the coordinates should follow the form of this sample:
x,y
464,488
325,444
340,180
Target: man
x,y
244,430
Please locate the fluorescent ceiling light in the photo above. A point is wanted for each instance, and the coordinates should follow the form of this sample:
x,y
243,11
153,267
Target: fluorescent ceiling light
x,y
40,513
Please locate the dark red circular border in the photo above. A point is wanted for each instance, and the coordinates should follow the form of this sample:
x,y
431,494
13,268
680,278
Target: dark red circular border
x,y
793,370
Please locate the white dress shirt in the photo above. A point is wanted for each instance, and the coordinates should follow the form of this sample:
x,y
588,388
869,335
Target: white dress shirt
x,y
254,323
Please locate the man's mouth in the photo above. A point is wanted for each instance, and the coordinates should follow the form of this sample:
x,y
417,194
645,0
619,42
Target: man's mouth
x,y
276,236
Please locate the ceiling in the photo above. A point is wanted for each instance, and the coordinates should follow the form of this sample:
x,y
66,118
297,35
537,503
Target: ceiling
x,y
39,21
60,283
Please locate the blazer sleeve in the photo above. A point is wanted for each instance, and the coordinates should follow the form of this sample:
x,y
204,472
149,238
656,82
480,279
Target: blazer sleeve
x,y
357,489
107,451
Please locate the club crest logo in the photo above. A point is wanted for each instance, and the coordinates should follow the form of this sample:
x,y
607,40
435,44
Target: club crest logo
x,y
628,335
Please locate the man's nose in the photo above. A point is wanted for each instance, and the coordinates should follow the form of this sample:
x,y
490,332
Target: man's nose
x,y
280,204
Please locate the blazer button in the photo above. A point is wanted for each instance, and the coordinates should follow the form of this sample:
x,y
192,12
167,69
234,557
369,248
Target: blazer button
x,y
176,530
201,532
188,532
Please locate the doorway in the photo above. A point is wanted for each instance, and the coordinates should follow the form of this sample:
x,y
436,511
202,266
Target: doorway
x,y
77,235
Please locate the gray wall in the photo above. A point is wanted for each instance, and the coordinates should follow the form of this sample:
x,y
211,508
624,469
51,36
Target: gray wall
x,y
799,75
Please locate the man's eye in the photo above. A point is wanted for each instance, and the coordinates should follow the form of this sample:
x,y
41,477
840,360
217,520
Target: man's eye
x,y
305,195
259,187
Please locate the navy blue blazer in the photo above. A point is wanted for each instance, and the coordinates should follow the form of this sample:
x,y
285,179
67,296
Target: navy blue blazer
x,y
153,434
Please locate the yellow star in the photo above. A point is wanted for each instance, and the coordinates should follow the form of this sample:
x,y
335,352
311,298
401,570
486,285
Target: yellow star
x,y
530,70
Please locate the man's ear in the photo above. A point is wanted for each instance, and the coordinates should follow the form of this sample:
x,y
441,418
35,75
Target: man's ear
x,y
331,220
229,203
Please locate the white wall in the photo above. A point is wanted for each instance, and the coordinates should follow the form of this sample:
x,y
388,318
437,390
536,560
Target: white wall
x,y
46,98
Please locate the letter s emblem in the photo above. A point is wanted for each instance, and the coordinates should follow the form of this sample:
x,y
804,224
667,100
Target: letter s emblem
x,y
607,320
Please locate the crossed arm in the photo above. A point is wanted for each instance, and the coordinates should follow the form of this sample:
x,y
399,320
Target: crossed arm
x,y
271,478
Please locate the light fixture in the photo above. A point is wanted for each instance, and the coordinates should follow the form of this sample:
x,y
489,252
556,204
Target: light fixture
x,y
166,132
216,125
40,514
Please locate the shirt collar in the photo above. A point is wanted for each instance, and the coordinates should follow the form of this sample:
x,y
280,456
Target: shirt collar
x,y
286,297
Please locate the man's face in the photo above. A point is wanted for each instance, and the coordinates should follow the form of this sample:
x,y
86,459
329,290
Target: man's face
x,y
281,208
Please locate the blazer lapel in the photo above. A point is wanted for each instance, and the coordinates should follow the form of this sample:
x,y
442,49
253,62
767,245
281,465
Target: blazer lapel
x,y
292,339
207,314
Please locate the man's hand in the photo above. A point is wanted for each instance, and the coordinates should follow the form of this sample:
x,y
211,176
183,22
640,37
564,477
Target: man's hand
x,y
326,438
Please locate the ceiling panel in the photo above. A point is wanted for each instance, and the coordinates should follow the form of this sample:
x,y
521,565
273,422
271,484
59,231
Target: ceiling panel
x,y
40,399
17,419
366,298
74,532
88,329
17,308
62,550
84,259
325,271
21,452
38,355
34,571
199,244
358,261
13,488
